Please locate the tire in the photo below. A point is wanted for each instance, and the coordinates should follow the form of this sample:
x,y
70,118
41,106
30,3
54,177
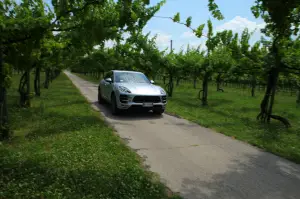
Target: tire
x,y
100,99
114,108
158,111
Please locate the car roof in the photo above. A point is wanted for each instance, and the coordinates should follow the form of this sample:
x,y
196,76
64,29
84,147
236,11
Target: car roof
x,y
127,71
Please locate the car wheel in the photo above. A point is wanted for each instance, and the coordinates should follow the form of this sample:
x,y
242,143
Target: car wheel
x,y
114,107
158,111
100,99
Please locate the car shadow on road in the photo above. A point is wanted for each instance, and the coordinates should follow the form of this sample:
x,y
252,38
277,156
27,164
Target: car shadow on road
x,y
129,115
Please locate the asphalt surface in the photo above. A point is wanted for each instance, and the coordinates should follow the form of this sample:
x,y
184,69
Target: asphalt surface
x,y
198,162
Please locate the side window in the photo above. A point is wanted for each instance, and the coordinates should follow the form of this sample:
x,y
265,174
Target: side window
x,y
108,75
112,77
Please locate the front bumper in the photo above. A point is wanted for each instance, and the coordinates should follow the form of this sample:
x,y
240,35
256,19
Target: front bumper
x,y
126,101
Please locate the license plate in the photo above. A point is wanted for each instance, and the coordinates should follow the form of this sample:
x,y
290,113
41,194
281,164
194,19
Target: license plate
x,y
147,104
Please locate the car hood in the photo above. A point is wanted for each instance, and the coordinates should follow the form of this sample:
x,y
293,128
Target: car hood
x,y
142,88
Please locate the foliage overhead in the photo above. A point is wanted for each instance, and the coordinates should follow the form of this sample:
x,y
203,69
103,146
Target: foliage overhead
x,y
281,17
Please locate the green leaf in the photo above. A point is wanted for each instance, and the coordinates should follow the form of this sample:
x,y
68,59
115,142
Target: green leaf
x,y
199,30
255,11
133,16
214,9
176,18
188,21
210,29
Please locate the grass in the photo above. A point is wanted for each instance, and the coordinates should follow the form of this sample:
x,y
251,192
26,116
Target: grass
x,y
63,149
234,112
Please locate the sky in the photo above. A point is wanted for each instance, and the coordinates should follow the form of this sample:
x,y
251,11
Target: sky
x,y
237,15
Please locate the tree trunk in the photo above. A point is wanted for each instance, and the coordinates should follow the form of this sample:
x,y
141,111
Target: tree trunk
x,y
51,76
55,74
253,85
28,88
24,89
298,95
291,88
47,78
164,79
219,81
170,86
37,81
177,81
205,89
4,128
195,83
266,106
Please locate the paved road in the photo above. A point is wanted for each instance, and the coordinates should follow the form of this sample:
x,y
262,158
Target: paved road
x,y
198,162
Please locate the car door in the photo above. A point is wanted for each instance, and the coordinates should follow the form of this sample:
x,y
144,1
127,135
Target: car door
x,y
102,87
107,85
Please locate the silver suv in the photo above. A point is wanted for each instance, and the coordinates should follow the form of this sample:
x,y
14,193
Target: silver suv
x,y
128,89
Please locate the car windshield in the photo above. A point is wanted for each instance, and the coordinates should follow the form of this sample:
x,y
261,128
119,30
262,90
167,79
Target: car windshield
x,y
129,77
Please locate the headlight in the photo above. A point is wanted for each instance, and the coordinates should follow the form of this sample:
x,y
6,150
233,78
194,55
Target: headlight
x,y
124,89
162,91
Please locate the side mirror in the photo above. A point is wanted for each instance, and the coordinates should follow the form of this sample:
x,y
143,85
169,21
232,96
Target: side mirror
x,y
108,80
151,81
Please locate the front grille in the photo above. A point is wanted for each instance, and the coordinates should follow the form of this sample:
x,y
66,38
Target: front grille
x,y
164,99
123,98
142,99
